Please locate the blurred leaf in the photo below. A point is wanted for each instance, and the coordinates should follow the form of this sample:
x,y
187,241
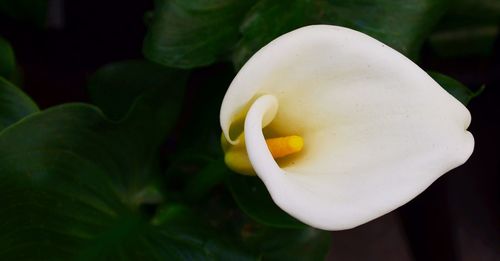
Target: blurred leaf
x,y
26,11
172,212
253,198
14,104
465,41
201,133
187,34
115,87
469,28
456,88
8,61
198,138
402,25
288,244
8,66
210,176
216,245
70,180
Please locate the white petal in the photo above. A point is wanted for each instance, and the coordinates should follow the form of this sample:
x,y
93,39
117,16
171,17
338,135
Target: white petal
x,y
377,129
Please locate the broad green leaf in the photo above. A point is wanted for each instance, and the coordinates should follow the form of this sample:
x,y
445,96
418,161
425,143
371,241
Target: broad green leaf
x,y
403,25
253,198
73,182
456,88
8,61
14,104
469,28
26,11
115,87
187,34
147,95
71,186
287,244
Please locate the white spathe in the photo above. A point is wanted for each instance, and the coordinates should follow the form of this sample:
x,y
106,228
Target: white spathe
x,y
377,129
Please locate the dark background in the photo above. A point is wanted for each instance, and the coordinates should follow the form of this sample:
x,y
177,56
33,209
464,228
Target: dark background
x,y
457,218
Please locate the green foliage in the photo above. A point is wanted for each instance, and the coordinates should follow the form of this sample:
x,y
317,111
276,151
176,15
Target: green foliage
x,y
114,88
456,88
267,20
403,25
8,61
288,244
382,19
74,188
201,129
189,34
150,107
208,177
14,104
469,28
254,199
79,179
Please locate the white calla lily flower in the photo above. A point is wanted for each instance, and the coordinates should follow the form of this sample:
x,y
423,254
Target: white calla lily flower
x,y
358,128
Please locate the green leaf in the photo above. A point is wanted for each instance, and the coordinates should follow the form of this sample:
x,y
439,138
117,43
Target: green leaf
x,y
456,88
253,198
465,41
14,104
194,169
469,28
287,244
8,66
73,181
26,11
187,34
115,87
210,176
217,246
267,20
402,25
144,92
8,61
146,98
202,128
70,185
